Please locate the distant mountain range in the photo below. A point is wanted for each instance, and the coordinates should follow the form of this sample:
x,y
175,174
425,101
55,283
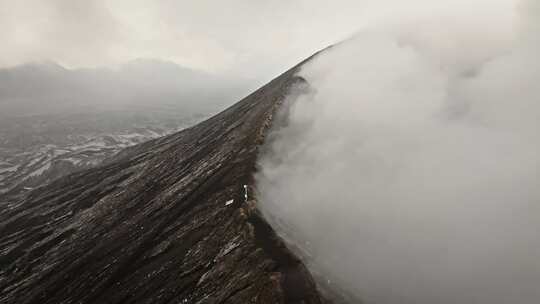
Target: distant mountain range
x,y
48,88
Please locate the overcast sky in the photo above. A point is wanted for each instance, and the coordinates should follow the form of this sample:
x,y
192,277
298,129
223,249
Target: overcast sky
x,y
252,38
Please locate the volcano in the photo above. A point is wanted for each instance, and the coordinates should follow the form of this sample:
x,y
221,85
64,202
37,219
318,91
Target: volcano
x,y
173,220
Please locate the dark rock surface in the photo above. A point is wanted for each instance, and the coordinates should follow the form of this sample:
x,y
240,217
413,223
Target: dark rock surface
x,y
154,224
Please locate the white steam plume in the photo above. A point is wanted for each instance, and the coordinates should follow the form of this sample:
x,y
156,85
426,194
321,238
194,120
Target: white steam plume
x,y
408,170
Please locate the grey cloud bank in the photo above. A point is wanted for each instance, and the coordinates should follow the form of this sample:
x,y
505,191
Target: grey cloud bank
x,y
407,169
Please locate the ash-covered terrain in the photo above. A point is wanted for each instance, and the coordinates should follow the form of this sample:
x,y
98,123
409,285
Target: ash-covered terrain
x,y
35,150
172,220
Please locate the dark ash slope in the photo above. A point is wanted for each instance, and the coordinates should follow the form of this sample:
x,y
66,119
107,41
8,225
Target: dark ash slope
x,y
152,226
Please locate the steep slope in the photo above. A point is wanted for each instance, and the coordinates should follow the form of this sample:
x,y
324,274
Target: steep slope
x,y
167,221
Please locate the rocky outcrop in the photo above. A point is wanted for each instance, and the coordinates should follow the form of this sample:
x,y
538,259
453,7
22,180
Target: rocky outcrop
x,y
172,220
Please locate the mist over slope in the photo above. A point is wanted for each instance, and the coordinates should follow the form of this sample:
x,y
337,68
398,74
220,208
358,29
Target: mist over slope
x,y
407,168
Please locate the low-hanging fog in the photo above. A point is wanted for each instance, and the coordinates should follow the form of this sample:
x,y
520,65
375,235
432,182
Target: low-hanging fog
x,y
407,168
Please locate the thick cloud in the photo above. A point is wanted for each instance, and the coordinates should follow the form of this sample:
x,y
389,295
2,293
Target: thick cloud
x,y
408,168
